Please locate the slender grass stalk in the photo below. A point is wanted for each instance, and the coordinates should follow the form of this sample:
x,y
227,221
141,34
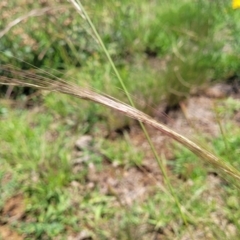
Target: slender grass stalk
x,y
15,77
81,10
21,78
33,13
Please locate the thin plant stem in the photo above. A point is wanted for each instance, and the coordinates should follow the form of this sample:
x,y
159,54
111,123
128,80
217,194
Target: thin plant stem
x,y
17,77
83,12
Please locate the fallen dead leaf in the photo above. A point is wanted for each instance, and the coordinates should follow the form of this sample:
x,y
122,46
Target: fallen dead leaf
x,y
7,233
14,208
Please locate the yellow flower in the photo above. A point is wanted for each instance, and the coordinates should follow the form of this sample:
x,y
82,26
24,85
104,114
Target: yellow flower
x,y
235,4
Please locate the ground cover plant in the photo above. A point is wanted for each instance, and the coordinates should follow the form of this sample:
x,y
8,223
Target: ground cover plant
x,y
53,190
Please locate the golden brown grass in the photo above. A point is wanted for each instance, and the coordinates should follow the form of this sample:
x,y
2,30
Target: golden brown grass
x,y
15,77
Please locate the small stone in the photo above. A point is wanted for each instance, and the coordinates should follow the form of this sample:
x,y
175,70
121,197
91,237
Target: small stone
x,y
75,184
90,185
83,142
219,90
81,160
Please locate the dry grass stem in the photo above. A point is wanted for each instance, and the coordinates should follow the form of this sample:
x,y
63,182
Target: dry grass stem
x,y
33,13
12,76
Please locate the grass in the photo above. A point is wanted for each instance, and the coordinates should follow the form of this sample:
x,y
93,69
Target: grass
x,y
196,56
59,202
55,206
63,200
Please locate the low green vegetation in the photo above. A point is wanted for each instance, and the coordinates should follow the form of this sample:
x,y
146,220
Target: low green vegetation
x,y
181,45
37,160
164,51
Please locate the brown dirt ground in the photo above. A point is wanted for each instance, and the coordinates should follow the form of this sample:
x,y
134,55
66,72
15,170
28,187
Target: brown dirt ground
x,y
196,117
13,210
